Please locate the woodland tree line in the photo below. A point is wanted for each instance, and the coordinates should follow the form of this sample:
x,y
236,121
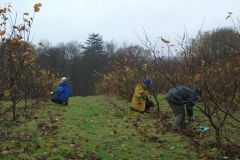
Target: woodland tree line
x,y
81,63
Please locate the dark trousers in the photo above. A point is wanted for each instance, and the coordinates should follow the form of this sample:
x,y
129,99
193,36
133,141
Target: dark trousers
x,y
148,105
56,100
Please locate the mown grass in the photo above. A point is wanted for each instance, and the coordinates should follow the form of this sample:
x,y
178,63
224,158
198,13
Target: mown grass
x,y
102,127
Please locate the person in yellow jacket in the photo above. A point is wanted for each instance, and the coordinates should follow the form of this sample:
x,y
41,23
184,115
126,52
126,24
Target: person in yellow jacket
x,y
141,99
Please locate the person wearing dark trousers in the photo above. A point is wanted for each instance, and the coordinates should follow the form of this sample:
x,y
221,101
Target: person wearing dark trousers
x,y
63,92
177,98
141,99
148,105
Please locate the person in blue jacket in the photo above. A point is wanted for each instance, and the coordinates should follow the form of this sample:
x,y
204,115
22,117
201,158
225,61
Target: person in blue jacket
x,y
63,92
179,96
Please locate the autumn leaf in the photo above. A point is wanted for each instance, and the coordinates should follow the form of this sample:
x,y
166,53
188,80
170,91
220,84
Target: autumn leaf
x,y
2,32
36,7
4,152
228,64
113,155
238,58
230,13
47,55
108,150
202,154
183,53
191,146
25,20
6,93
153,157
135,133
40,44
29,49
81,156
47,153
228,17
164,40
26,53
111,133
81,139
14,41
108,121
197,76
2,10
26,13
46,144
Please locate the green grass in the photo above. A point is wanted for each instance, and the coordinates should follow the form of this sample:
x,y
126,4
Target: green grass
x,y
101,127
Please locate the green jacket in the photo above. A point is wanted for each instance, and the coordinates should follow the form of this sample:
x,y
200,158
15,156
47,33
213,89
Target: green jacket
x,y
137,102
181,95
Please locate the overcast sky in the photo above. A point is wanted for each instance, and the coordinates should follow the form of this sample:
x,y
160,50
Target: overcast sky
x,y
118,20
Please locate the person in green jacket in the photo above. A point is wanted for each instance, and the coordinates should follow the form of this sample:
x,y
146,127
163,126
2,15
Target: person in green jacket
x,y
177,98
141,99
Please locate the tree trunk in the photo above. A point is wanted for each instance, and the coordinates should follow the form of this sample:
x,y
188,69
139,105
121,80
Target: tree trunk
x,y
217,135
14,112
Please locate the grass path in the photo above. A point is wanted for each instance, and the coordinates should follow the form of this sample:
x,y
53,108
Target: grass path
x,y
95,128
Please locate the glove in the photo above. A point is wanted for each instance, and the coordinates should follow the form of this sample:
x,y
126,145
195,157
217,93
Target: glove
x,y
49,93
141,96
192,119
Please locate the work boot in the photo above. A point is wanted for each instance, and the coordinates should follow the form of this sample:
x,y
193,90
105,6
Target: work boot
x,y
64,103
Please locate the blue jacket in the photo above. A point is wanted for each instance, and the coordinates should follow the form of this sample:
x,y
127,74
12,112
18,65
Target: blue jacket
x,y
181,95
63,91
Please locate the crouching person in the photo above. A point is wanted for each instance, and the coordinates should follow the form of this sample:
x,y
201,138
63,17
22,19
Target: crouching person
x,y
177,98
63,92
141,99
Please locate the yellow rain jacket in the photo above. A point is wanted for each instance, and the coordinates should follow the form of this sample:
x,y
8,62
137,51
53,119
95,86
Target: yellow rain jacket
x,y
137,102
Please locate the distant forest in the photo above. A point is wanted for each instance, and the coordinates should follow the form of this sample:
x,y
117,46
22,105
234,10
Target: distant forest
x,y
80,62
